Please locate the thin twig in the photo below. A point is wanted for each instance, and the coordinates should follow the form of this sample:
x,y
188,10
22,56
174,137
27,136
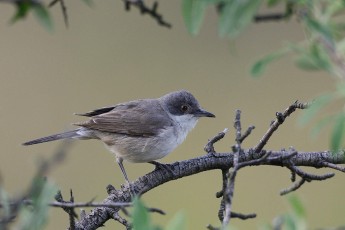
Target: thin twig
x,y
146,10
52,3
256,161
63,9
210,227
71,213
294,187
209,148
280,118
310,176
121,220
243,216
246,133
221,194
230,177
90,204
270,17
333,166
69,210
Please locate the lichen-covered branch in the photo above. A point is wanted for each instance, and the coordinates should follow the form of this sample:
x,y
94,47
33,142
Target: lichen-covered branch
x,y
218,161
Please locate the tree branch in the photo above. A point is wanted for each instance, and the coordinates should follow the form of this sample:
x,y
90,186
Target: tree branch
x,y
218,161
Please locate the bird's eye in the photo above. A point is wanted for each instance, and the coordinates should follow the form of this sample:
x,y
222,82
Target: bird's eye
x,y
184,108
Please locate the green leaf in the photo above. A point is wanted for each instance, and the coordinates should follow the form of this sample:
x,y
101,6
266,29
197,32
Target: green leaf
x,y
259,66
306,63
316,26
36,217
177,223
273,2
316,58
314,108
236,15
338,133
140,217
333,7
290,222
297,206
193,12
22,11
43,16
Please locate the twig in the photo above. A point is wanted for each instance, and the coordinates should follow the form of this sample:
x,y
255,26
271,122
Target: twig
x,y
270,17
69,210
121,220
63,9
71,213
256,161
90,204
310,176
246,134
110,189
294,187
221,194
156,210
280,118
52,3
230,177
146,10
333,166
210,227
209,148
71,205
243,216
304,175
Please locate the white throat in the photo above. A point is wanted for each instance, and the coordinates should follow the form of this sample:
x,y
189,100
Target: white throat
x,y
184,124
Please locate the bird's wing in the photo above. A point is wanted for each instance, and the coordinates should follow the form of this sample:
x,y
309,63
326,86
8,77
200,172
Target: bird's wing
x,y
137,118
96,112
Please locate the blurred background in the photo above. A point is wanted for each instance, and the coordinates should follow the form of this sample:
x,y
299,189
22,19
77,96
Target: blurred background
x,y
108,56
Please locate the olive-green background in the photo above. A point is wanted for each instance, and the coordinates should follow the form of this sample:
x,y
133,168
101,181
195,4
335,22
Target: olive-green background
x,y
108,56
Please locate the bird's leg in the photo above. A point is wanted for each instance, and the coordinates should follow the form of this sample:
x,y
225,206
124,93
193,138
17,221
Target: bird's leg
x,y
165,167
119,161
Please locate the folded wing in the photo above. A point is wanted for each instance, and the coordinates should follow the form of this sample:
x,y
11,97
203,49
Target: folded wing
x,y
136,118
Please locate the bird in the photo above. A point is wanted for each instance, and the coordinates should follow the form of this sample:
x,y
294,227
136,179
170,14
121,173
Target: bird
x,y
138,131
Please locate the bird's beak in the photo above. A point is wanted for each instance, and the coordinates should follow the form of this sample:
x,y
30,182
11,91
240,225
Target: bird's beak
x,y
203,113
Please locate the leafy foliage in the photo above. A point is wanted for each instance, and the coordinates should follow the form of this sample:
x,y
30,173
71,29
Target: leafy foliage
x,y
235,15
43,16
295,219
322,50
193,12
38,9
33,216
140,215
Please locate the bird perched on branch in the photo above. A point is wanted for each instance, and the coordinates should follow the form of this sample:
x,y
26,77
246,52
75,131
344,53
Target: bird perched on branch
x,y
139,131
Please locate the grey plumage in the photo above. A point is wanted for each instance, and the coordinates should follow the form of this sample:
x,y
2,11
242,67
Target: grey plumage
x,y
134,118
68,134
139,131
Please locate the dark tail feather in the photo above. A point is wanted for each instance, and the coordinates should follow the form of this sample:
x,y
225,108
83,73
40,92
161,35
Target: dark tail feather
x,y
68,134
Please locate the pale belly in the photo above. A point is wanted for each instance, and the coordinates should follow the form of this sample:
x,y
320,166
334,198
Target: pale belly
x,y
143,149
